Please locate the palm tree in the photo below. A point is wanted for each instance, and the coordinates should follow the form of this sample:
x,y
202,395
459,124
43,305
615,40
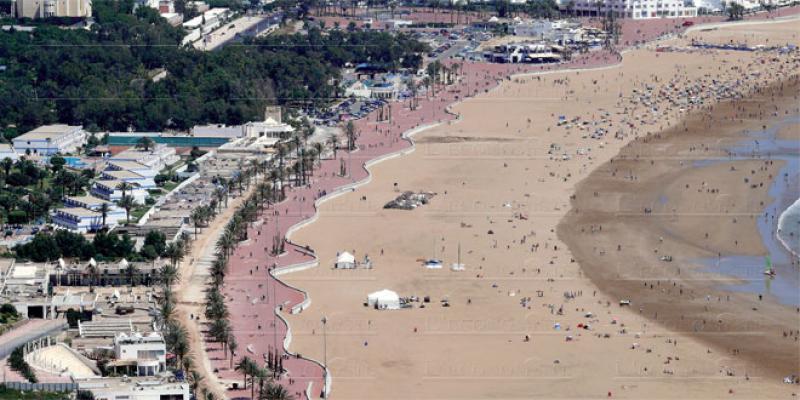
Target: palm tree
x,y
221,195
104,209
351,132
333,142
177,341
166,310
7,164
319,147
127,203
278,392
195,378
225,243
197,218
262,375
124,187
232,346
175,252
131,271
220,330
93,271
169,275
220,266
243,366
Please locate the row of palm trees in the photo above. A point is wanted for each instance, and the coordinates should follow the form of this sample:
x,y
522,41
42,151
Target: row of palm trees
x,y
175,334
270,179
220,329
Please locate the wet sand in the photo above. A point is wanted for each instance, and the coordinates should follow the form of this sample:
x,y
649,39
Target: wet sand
x,y
695,212
501,196
790,132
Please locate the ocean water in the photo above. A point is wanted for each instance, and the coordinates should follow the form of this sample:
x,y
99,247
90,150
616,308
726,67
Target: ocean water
x,y
789,228
782,246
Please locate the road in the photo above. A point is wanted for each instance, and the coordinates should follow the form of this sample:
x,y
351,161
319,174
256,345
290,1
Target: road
x,y
30,331
190,291
237,30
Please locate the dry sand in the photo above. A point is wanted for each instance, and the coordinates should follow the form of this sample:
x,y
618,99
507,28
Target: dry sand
x,y
488,170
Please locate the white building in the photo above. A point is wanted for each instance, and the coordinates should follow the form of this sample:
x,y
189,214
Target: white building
x,y
387,89
636,9
111,190
157,158
114,214
147,352
345,260
204,24
130,177
217,130
384,300
6,151
53,8
78,219
139,178
151,388
51,139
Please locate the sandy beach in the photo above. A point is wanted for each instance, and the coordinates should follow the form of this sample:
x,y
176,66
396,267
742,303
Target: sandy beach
x,y
504,176
790,132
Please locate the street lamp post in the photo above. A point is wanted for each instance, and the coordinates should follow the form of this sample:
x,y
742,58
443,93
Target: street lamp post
x,y
324,354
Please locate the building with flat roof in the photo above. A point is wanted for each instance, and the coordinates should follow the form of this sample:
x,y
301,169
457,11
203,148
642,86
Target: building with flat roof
x,y
111,190
130,177
87,202
140,354
635,9
53,8
51,139
148,388
157,158
79,220
6,151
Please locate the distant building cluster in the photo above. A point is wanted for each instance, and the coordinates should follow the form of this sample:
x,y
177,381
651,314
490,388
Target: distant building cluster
x,y
636,9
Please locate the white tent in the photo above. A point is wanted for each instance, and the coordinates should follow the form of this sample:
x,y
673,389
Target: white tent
x,y
384,299
345,260
123,264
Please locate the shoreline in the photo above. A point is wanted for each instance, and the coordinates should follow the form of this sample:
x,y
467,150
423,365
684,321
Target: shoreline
x,y
795,206
766,352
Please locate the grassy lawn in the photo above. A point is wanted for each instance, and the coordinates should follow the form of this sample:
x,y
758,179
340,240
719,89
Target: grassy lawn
x,y
138,212
169,185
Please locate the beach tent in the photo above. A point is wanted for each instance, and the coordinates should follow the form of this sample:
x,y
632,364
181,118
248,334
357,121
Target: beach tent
x,y
384,300
345,260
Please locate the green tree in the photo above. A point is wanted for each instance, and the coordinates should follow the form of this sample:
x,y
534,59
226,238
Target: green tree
x,y
145,143
127,203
